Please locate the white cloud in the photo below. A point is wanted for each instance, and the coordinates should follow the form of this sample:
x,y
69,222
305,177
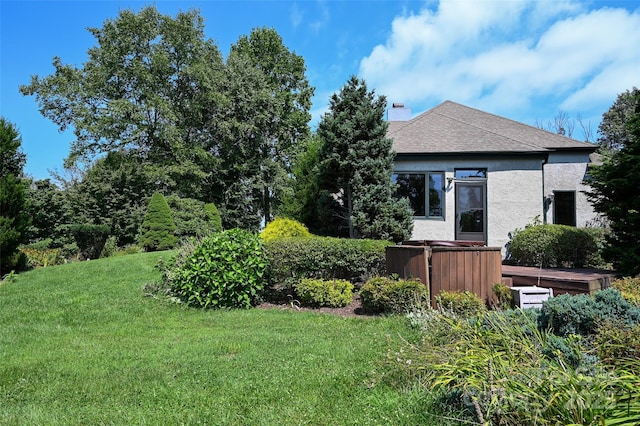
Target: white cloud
x,y
296,15
508,55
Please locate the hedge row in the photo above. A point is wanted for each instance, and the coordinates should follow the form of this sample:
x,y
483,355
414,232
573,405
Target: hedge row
x,y
293,259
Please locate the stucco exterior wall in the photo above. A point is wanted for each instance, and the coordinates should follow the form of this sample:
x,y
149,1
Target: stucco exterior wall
x,y
566,172
514,191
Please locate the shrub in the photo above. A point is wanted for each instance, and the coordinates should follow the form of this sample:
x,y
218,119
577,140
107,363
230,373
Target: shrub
x,y
389,295
555,246
629,288
292,259
90,239
319,292
223,270
462,303
565,314
503,295
158,228
615,341
214,216
42,257
191,217
284,228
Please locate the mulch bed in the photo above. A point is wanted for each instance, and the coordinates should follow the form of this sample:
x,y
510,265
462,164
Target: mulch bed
x,y
354,309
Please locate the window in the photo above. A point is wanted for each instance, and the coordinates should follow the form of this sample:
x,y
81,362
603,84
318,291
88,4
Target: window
x,y
413,186
564,208
471,173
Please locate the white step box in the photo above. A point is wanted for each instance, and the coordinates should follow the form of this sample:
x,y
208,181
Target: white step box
x,y
530,296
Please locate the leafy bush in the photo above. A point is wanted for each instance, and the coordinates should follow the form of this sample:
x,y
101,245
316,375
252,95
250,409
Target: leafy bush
x,y
90,239
282,227
582,314
629,288
42,257
319,292
223,270
503,295
555,246
191,217
461,303
157,231
389,295
615,341
292,259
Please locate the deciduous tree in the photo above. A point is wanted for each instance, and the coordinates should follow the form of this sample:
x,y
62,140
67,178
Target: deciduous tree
x,y
613,128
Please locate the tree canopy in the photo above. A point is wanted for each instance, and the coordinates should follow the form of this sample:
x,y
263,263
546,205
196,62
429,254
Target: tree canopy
x,y
156,90
616,190
13,192
612,129
356,163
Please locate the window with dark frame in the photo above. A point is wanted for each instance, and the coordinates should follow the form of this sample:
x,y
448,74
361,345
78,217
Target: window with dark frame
x,y
564,208
414,187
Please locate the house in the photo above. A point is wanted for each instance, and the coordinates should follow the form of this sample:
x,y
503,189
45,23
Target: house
x,y
472,175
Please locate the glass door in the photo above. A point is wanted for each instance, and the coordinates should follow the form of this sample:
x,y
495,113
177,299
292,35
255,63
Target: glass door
x,y
471,211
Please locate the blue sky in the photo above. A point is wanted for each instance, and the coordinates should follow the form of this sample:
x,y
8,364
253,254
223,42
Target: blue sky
x,y
520,59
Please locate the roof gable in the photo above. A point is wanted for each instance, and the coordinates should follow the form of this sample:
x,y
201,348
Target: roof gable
x,y
454,128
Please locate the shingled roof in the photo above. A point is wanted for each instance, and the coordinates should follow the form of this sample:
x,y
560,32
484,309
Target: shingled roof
x,y
453,128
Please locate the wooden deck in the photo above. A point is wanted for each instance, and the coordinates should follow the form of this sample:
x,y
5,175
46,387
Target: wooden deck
x,y
571,281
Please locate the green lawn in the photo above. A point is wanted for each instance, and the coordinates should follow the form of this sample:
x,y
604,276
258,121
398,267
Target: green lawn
x,y
79,344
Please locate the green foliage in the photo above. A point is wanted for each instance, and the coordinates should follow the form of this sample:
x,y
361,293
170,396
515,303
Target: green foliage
x,y
319,292
292,259
158,229
42,257
612,128
90,239
356,164
555,246
223,270
49,210
13,200
565,314
500,369
616,191
616,341
213,217
629,288
390,295
113,191
192,218
284,228
503,295
463,303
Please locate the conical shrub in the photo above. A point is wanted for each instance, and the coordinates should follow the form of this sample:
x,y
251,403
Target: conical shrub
x,y
158,228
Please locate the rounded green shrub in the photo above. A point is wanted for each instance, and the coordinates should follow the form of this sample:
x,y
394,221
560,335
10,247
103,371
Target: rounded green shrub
x,y
90,239
463,303
390,295
284,228
582,314
157,231
555,246
223,270
319,292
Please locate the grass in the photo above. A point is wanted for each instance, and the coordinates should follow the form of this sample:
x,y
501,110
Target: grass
x,y
79,344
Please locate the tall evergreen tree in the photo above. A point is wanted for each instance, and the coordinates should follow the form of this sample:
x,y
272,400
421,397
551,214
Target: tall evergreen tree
x,y
158,229
616,194
13,195
612,129
357,163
